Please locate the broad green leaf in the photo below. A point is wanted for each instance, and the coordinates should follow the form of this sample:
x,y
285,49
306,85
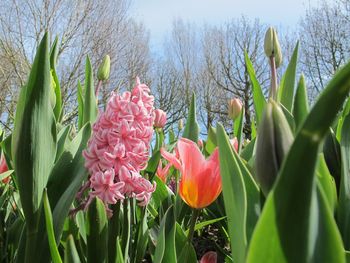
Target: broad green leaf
x,y
286,91
289,217
248,150
234,193
345,112
126,231
65,180
34,139
56,84
301,104
97,233
191,130
253,127
165,249
258,96
238,129
153,163
120,258
184,249
344,193
55,255
70,253
90,102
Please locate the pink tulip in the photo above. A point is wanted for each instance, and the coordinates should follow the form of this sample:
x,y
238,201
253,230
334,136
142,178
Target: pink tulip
x,y
200,143
4,168
200,183
234,143
209,257
234,108
159,118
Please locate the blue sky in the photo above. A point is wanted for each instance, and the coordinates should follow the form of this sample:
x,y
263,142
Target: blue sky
x,y
157,15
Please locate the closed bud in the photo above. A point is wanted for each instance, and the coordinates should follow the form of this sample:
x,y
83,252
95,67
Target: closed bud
x,y
234,108
180,124
273,143
159,118
272,46
104,69
52,91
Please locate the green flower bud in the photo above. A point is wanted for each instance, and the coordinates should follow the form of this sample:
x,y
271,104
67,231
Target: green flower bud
x,y
273,142
272,46
104,69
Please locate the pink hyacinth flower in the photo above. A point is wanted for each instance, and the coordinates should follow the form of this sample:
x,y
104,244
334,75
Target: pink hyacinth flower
x,y
159,118
119,147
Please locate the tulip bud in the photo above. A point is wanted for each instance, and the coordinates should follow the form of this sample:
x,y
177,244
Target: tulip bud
x,y
104,69
273,142
159,118
181,124
234,108
209,257
272,46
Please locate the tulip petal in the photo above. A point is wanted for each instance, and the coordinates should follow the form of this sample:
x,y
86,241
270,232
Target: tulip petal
x,y
191,158
171,158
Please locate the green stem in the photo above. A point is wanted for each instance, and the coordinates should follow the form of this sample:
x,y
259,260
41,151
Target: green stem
x,y
126,229
273,91
195,214
30,247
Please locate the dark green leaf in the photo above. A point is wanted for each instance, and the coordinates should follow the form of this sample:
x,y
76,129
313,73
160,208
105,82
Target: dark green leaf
x,y
70,253
90,102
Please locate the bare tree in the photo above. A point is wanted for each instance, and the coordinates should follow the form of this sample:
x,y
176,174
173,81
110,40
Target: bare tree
x,y
324,32
224,49
84,27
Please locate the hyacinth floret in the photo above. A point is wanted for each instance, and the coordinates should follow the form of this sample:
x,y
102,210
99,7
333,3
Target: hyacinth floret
x,y
119,147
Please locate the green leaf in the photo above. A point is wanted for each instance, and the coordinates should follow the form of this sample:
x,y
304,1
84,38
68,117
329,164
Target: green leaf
x,y
65,180
90,102
331,151
326,182
165,249
62,140
286,91
142,238
97,234
191,130
238,129
57,89
291,214
202,224
162,196
258,96
55,255
80,105
343,214
34,138
70,253
301,104
234,193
